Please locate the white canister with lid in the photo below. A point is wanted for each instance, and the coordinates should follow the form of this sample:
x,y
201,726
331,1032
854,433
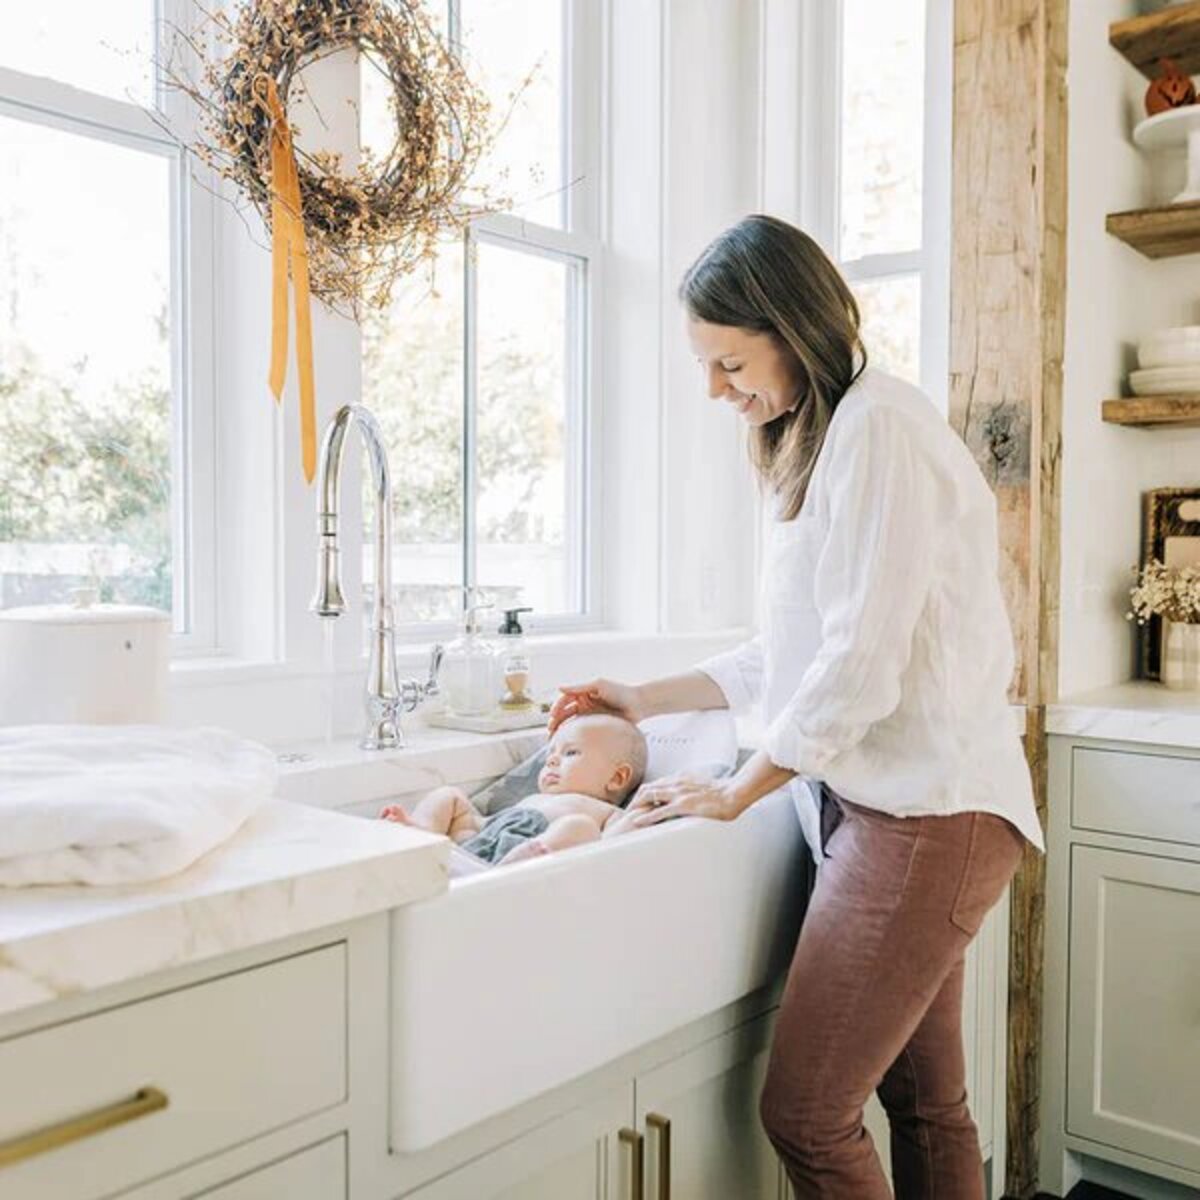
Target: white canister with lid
x,y
86,663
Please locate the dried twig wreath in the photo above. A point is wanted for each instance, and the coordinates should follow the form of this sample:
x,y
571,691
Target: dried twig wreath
x,y
369,226
346,236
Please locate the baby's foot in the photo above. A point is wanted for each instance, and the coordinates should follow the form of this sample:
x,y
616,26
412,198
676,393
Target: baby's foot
x,y
394,812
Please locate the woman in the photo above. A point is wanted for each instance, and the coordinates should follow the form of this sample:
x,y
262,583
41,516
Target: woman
x,y
882,668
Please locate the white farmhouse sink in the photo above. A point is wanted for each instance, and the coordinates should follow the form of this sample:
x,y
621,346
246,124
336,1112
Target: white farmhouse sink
x,y
521,979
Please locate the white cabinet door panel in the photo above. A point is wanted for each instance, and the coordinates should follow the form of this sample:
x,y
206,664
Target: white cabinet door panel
x,y
1137,795
718,1148
573,1157
1134,1022
318,1173
234,1057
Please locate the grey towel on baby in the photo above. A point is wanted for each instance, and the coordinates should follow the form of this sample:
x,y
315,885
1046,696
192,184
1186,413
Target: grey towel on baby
x,y
504,832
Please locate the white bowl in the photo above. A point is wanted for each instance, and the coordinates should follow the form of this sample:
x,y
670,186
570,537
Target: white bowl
x,y
1161,381
1179,346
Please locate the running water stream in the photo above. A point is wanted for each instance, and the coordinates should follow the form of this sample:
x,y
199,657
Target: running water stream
x,y
328,679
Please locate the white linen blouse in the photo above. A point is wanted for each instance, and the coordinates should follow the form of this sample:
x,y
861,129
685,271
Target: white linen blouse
x,y
885,651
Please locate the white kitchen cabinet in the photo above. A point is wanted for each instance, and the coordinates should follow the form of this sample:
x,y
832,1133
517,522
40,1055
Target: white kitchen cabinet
x,y
99,1104
576,1156
318,1173
1121,1056
1134,1025
687,1129
699,1116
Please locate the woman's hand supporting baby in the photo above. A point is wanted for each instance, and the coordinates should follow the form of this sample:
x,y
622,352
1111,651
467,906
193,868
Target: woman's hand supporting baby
x,y
719,800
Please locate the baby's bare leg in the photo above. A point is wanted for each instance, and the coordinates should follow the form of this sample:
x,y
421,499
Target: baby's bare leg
x,y
561,834
445,810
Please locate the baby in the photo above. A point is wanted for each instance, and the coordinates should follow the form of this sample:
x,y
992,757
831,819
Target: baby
x,y
594,764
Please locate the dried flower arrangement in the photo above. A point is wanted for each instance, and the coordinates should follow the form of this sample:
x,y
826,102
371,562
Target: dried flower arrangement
x,y
367,227
1172,593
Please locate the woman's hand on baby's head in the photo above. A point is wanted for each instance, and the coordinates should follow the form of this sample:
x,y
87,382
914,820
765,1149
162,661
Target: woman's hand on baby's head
x,y
598,696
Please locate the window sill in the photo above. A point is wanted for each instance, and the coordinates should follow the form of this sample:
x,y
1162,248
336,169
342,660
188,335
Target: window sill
x,y
280,703
216,669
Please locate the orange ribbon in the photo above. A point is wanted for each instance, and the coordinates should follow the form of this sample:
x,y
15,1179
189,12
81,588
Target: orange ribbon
x,y
288,245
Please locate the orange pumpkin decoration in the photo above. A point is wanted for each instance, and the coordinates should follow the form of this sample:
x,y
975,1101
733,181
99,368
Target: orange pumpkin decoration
x,y
1171,89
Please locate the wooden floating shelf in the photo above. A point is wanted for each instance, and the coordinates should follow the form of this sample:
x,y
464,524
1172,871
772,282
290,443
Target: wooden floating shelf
x,y
1150,411
1169,33
1158,232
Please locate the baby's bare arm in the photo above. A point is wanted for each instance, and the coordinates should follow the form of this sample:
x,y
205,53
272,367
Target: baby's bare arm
x,y
561,834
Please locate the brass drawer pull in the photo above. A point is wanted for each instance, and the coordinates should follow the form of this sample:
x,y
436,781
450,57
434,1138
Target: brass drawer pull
x,y
632,1140
147,1100
662,1135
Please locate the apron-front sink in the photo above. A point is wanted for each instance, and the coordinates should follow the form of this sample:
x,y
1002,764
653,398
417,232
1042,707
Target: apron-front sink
x,y
520,979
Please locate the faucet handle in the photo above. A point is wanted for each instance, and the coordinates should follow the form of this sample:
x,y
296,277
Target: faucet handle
x,y
435,668
412,693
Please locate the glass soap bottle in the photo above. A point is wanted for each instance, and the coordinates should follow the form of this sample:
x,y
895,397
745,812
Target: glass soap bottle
x,y
469,674
514,662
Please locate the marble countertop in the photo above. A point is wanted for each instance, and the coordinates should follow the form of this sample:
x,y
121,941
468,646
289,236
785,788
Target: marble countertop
x,y
290,869
343,776
1130,712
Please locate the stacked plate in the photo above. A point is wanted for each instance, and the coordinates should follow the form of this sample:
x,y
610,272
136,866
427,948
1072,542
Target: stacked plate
x,y
1170,362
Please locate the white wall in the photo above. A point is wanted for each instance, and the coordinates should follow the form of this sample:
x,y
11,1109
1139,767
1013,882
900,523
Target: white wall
x,y
1114,296
683,164
711,182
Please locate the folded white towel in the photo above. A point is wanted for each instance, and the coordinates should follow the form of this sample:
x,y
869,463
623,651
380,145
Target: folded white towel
x,y
121,803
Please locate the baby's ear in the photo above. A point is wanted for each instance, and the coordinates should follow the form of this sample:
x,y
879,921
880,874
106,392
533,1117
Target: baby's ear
x,y
619,780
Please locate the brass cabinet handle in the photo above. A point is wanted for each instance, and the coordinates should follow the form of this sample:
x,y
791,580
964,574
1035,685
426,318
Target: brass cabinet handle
x,y
632,1140
662,1135
146,1101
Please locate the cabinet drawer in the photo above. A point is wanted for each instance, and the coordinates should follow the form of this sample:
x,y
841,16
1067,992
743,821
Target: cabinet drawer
x,y
234,1057
1140,795
318,1173
1133,1064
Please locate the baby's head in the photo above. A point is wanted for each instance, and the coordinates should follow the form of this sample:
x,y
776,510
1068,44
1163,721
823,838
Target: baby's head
x,y
599,756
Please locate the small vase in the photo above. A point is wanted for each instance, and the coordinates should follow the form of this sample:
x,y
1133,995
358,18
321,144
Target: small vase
x,y
1181,656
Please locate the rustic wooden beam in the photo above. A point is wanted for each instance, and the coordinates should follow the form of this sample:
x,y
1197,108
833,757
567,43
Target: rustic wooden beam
x,y
1008,277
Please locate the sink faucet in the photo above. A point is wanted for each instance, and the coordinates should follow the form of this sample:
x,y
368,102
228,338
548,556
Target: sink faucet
x,y
386,696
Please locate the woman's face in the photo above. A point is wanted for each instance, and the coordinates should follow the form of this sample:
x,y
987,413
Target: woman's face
x,y
755,372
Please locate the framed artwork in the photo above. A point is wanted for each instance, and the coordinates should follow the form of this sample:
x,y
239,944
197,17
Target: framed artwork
x,y
1171,534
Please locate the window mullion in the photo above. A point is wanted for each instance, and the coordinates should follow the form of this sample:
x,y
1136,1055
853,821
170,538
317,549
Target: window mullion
x,y
470,406
575,424
49,102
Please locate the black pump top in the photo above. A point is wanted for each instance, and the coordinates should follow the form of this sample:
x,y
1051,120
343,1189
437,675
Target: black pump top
x,y
512,621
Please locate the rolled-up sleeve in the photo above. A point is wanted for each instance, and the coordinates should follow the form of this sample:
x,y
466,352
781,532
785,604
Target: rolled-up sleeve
x,y
872,580
738,673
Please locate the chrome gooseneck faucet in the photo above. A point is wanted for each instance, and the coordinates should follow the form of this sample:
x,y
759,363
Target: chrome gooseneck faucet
x,y
386,696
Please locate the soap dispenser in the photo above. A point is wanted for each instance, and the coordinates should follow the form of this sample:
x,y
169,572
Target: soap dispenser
x,y
469,674
514,662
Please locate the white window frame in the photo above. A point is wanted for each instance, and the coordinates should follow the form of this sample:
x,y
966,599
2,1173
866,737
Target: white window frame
x,y
576,244
57,105
821,153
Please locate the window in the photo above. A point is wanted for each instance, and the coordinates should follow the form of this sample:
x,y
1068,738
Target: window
x,y
97,403
885,208
480,372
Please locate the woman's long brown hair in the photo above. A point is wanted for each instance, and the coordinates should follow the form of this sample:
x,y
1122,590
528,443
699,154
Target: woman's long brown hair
x,y
767,276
